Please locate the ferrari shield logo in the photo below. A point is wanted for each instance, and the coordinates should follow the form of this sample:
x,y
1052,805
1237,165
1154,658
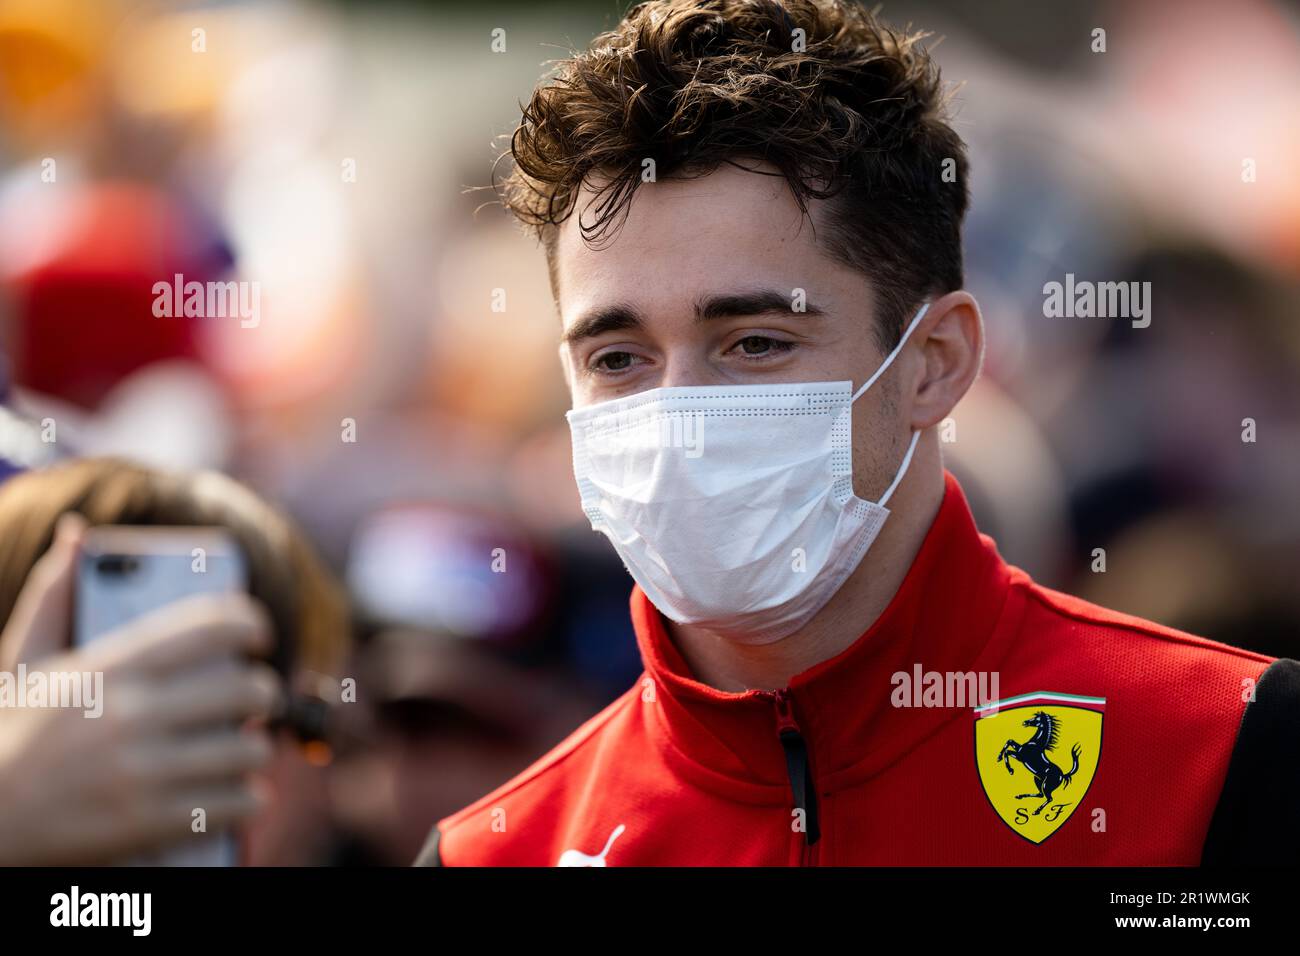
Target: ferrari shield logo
x,y
1036,755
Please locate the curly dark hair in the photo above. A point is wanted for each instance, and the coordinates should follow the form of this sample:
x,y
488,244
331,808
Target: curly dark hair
x,y
845,108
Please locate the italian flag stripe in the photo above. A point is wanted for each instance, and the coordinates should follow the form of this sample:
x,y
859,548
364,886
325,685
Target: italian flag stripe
x,y
1075,700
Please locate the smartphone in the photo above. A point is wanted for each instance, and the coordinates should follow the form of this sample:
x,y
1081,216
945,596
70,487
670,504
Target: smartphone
x,y
126,571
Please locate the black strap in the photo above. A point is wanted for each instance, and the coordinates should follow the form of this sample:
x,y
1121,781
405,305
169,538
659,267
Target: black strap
x,y
1257,819
428,855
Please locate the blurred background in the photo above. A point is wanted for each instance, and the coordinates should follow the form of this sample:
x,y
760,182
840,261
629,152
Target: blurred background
x,y
336,154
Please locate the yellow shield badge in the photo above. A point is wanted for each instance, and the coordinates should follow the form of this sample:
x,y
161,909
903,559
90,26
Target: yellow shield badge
x,y
1036,755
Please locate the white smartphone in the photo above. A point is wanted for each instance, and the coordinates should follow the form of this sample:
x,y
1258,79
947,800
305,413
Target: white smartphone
x,y
126,571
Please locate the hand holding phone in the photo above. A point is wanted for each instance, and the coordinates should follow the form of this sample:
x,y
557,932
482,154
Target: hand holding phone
x,y
127,572
179,685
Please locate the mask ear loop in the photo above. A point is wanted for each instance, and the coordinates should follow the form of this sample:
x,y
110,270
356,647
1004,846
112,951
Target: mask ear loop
x,y
898,478
894,354
907,459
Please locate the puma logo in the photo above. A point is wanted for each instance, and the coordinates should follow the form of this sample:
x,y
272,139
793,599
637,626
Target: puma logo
x,y
578,858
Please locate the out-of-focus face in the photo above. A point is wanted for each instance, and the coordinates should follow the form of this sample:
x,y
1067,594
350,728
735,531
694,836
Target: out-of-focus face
x,y
700,286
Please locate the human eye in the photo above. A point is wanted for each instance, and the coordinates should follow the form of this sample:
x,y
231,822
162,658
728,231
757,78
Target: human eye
x,y
612,362
758,347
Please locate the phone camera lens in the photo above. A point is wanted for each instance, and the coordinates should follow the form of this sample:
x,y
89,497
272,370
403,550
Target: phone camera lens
x,y
117,565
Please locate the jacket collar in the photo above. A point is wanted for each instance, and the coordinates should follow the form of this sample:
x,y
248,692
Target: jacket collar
x,y
943,618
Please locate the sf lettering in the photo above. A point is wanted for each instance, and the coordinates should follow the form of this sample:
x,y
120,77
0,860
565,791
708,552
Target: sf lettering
x,y
1022,815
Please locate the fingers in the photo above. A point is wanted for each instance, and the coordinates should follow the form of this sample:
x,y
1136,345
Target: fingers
x,y
232,695
41,622
187,633
222,806
221,757
169,821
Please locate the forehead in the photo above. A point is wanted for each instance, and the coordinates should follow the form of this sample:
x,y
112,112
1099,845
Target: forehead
x,y
682,237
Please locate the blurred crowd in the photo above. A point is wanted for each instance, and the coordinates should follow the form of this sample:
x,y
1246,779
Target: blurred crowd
x,y
399,397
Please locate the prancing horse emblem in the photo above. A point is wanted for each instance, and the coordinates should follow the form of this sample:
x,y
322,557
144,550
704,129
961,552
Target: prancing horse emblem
x,y
1032,755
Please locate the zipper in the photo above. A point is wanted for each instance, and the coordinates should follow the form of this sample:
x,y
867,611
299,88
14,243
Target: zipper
x,y
799,767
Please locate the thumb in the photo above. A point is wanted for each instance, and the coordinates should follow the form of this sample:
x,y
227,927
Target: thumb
x,y
41,622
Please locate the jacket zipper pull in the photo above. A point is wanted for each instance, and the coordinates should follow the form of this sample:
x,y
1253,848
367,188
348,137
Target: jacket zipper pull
x,y
798,765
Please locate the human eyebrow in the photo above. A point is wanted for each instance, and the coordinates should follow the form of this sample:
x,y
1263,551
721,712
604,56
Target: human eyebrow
x,y
612,318
755,302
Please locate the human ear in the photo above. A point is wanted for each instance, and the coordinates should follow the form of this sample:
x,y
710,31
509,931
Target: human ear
x,y
951,340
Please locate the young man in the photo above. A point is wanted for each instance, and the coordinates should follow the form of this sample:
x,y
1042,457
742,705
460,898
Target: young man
x,y
752,213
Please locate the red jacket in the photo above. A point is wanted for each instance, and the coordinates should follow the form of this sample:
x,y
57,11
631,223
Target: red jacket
x,y
829,771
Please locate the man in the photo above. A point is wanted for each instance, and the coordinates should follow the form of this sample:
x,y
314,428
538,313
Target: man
x,y
751,212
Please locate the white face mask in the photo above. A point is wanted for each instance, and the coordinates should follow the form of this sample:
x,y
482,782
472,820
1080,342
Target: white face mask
x,y
732,506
